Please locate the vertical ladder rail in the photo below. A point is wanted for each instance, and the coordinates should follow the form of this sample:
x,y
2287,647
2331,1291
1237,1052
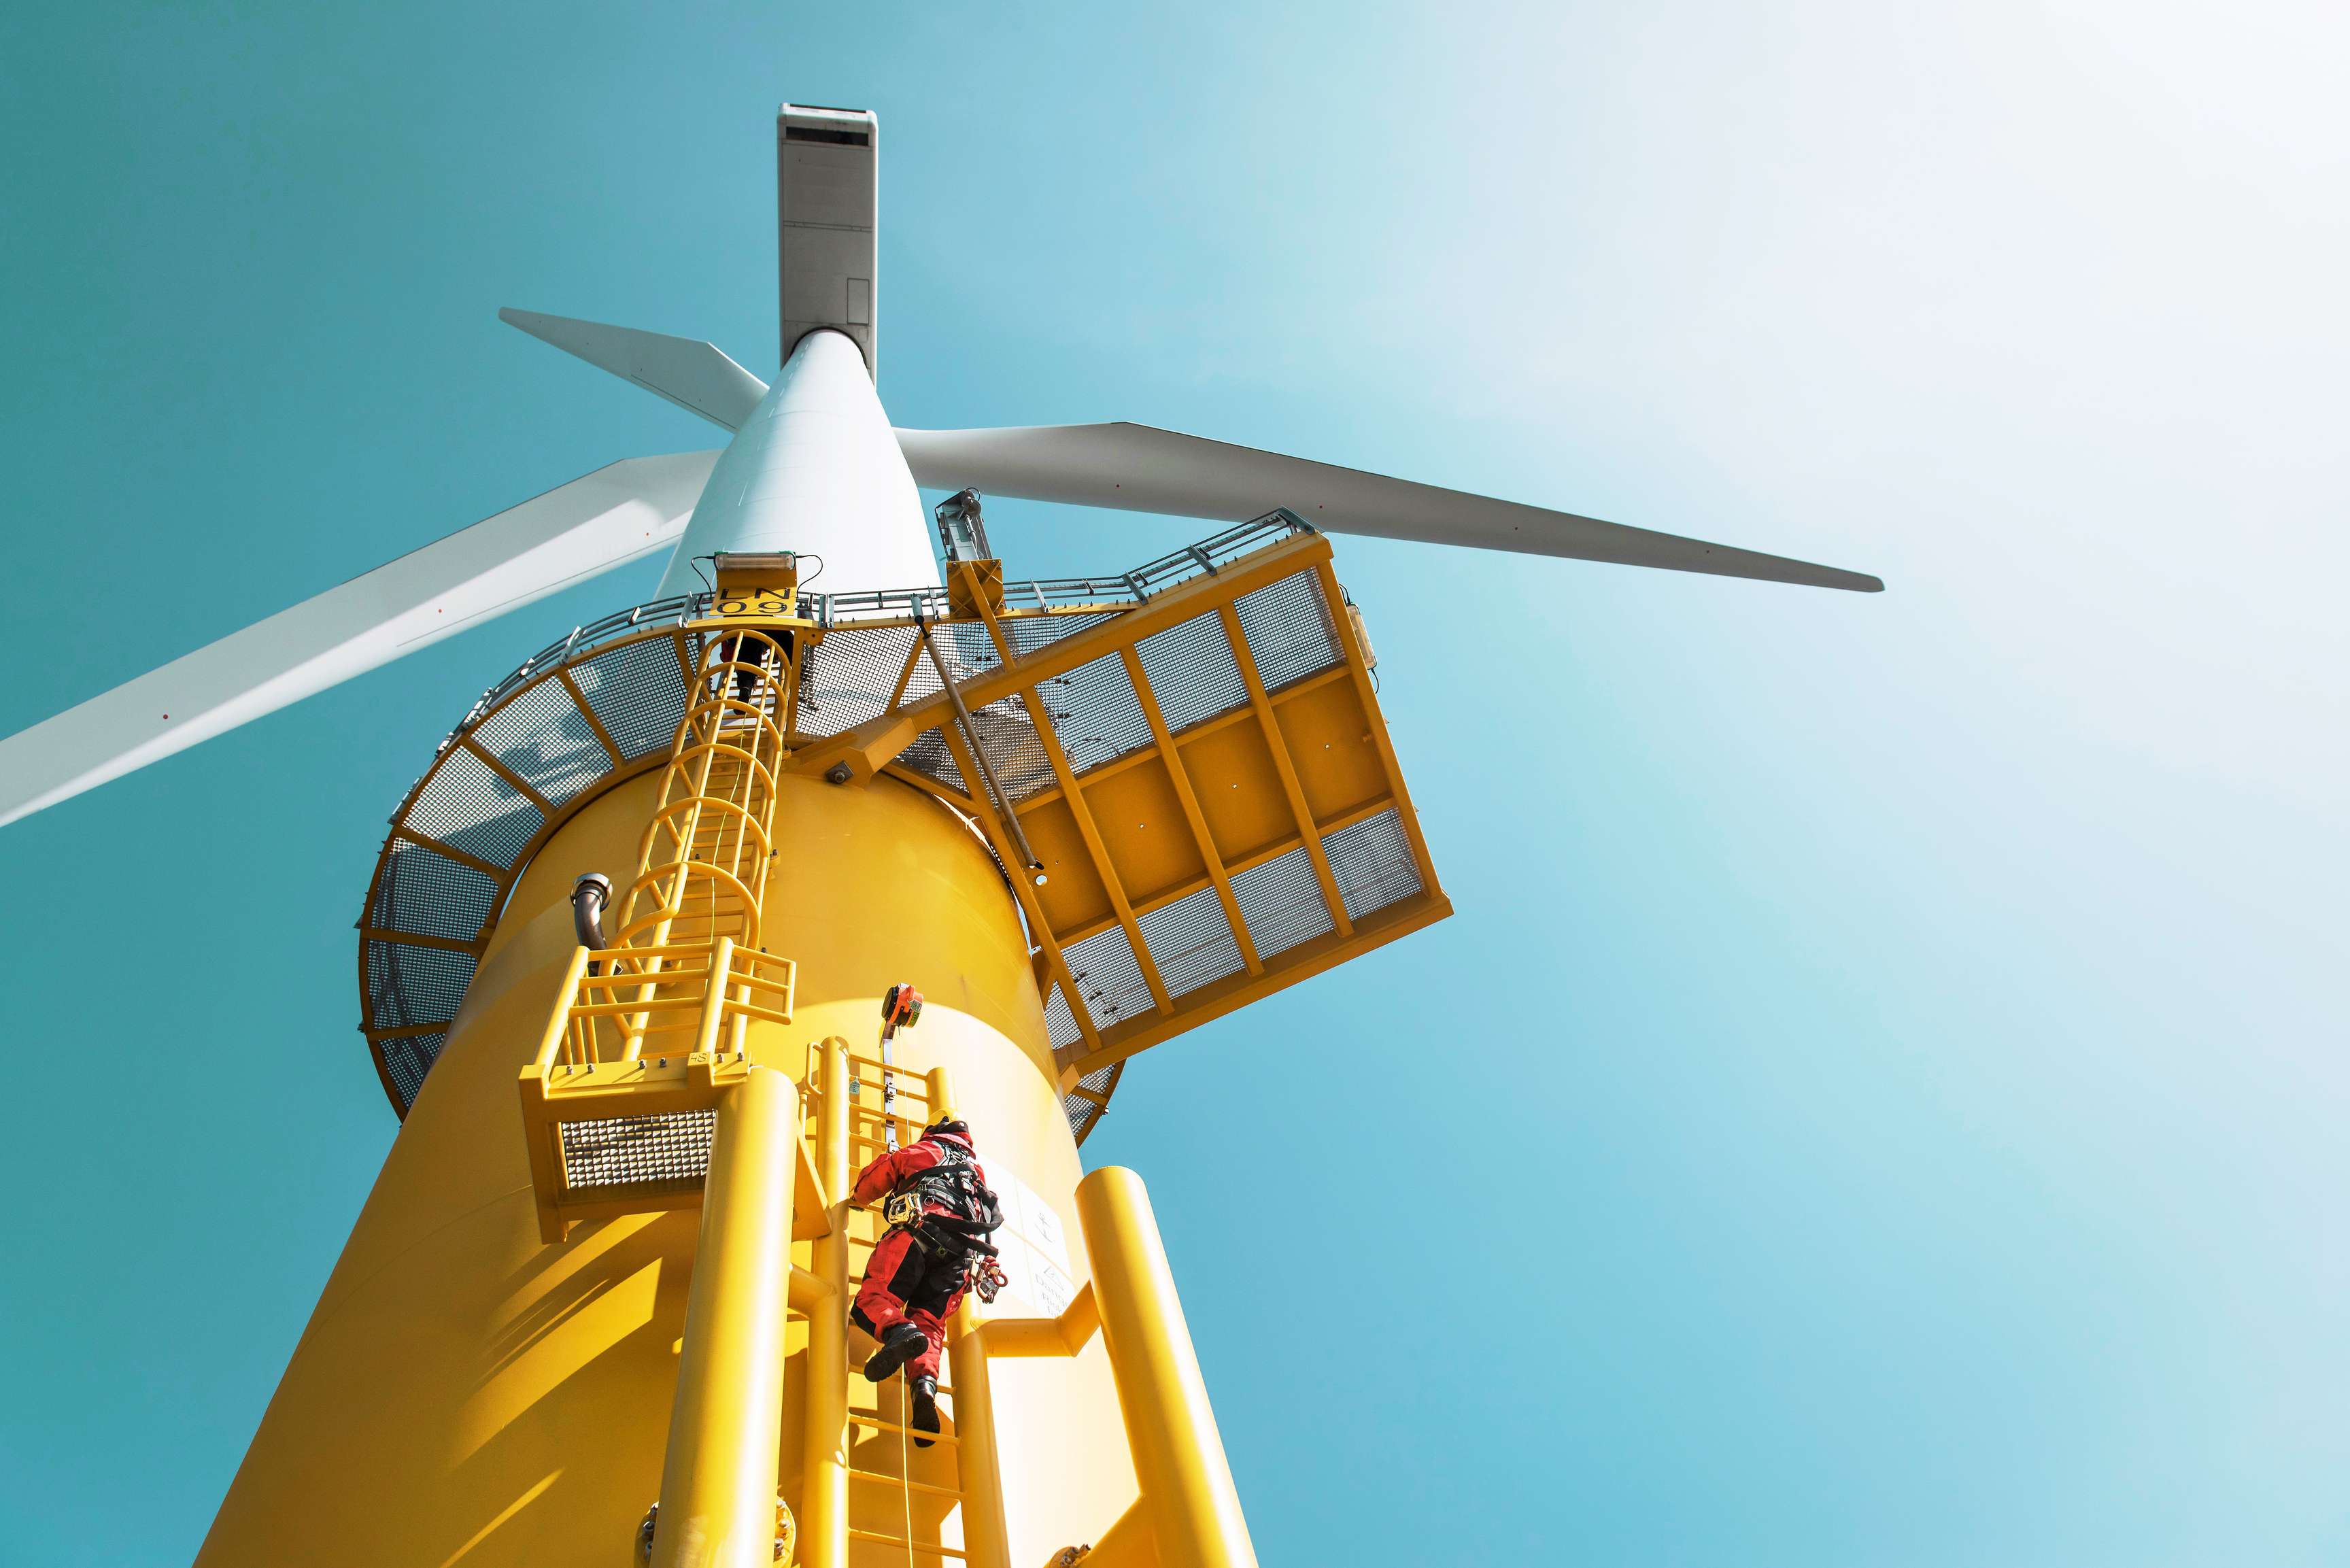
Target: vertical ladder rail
x,y
986,1539
824,1486
827,1474
713,823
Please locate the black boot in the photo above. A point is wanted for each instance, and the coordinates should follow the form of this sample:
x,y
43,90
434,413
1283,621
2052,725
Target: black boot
x,y
926,1408
902,1343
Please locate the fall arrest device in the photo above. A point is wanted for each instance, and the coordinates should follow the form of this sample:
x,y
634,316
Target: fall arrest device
x,y
901,1007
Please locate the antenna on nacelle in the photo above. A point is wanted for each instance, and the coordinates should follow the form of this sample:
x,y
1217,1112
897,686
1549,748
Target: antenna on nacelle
x,y
963,531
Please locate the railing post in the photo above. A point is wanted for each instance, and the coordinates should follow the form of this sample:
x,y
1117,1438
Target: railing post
x,y
718,1476
714,998
1187,1496
560,1025
823,1485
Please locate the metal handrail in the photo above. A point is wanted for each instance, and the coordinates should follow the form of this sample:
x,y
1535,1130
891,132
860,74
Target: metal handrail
x,y
725,990
414,964
1042,596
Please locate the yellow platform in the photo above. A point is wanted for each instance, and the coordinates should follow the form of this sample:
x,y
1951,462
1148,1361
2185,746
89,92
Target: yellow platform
x,y
1197,766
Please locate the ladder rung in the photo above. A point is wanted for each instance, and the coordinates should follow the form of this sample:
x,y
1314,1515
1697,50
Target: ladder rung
x,y
857,1534
945,1392
893,1427
901,1480
910,1079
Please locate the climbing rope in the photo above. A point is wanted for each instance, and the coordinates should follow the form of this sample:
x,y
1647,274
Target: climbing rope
x,y
905,1459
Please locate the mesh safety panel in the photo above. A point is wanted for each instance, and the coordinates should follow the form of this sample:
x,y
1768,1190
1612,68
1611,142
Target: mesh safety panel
x,y
428,894
627,1151
1288,630
637,693
922,684
1108,977
542,735
1007,737
468,807
846,679
1060,1025
1282,901
1191,942
859,667
928,756
1027,635
1372,863
1082,1112
406,1059
1095,712
408,985
1189,666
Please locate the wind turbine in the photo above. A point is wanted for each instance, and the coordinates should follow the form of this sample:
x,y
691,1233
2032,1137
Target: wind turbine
x,y
926,771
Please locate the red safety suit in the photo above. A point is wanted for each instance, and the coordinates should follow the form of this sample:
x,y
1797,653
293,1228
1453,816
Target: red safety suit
x,y
913,1276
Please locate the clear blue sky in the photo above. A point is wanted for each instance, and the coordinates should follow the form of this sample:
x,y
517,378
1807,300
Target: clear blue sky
x,y
1881,1101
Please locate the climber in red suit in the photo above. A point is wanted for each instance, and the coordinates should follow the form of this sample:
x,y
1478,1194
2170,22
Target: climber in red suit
x,y
939,1213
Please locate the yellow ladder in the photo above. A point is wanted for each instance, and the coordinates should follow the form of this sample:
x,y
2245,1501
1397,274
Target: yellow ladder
x,y
898,1498
869,1138
703,861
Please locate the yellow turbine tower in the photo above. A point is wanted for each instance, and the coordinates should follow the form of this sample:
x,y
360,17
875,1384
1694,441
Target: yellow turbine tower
x,y
622,958
610,1259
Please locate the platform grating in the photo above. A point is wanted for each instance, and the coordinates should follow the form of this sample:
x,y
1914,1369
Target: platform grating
x,y
1108,977
846,679
862,657
1191,942
629,1151
1190,669
1084,1110
468,807
1372,864
1281,902
406,1059
637,693
423,892
1288,630
1095,712
542,735
1060,1025
408,985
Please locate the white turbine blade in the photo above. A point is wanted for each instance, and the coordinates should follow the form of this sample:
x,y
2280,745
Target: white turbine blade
x,y
574,531
697,377
1137,468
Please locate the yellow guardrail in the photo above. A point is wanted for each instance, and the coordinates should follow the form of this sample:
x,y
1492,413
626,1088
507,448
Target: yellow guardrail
x,y
623,1005
654,1034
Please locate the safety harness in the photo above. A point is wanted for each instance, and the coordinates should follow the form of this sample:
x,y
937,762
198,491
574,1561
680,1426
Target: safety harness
x,y
947,1207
